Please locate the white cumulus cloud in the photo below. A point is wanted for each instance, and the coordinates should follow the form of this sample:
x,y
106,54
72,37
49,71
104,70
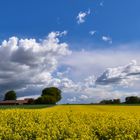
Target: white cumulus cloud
x,y
28,66
121,74
27,62
88,67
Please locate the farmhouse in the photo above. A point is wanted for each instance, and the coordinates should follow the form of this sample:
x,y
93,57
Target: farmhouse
x,y
16,102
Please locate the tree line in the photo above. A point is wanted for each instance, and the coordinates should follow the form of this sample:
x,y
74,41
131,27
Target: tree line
x,y
128,100
50,95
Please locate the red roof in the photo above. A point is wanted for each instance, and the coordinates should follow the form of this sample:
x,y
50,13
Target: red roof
x,y
14,102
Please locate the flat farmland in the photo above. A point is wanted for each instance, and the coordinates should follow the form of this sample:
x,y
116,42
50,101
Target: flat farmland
x,y
71,122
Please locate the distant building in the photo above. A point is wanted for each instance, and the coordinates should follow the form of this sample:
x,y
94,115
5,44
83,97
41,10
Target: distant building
x,y
17,102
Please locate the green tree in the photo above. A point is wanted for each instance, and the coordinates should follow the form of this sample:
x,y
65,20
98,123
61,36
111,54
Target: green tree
x,y
53,92
132,100
10,95
38,100
106,102
116,101
50,95
48,99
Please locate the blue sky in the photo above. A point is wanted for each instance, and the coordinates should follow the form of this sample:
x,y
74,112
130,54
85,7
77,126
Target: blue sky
x,y
80,40
118,19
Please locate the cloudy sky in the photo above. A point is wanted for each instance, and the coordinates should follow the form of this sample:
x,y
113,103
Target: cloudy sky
x,y
90,49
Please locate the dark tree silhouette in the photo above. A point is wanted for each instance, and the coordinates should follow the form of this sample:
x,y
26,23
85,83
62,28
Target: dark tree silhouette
x,y
52,91
116,101
132,100
10,95
50,95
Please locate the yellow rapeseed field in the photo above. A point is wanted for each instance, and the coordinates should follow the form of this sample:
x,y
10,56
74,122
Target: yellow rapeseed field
x,y
71,122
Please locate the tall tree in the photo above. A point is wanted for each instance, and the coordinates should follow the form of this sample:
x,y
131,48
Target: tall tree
x,y
10,95
50,95
53,92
